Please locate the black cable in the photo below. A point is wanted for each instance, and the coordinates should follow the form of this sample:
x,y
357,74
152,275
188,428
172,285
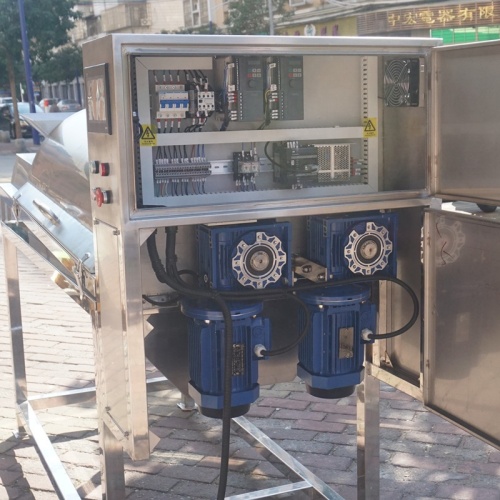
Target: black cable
x,y
271,159
228,344
172,278
159,303
302,335
373,279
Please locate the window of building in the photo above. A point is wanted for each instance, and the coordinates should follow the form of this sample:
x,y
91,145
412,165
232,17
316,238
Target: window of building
x,y
465,35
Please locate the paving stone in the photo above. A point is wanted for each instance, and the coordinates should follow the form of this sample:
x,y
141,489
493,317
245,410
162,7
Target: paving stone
x,y
464,492
12,493
192,489
318,426
297,414
202,474
9,477
260,411
283,403
489,469
138,480
423,462
324,462
278,433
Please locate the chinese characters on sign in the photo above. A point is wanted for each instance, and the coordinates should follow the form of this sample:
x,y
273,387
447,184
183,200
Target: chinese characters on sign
x,y
441,16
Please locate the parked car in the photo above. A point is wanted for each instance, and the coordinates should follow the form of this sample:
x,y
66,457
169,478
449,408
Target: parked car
x,y
4,101
49,105
69,105
22,107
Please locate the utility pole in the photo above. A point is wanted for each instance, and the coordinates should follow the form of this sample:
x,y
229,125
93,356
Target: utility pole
x,y
271,20
27,65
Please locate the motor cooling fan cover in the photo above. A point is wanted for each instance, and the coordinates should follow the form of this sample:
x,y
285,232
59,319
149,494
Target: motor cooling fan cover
x,y
368,248
259,260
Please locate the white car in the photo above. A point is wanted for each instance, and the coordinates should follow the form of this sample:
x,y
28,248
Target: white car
x,y
4,101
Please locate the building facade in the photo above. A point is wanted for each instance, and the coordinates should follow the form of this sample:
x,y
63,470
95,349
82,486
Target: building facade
x,y
455,22
116,16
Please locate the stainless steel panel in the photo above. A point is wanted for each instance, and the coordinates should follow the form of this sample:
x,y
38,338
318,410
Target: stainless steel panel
x,y
368,438
467,122
405,148
403,353
59,169
120,362
462,343
73,236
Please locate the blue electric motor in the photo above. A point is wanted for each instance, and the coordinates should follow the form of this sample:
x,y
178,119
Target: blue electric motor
x,y
354,245
206,330
332,354
245,255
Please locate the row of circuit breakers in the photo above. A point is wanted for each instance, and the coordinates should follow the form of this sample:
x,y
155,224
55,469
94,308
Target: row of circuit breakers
x,y
258,256
260,90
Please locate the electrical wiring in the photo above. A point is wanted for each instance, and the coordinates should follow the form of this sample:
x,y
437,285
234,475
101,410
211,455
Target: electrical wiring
x,y
172,277
166,277
170,302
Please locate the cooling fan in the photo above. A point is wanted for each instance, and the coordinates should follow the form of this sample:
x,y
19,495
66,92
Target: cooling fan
x,y
402,82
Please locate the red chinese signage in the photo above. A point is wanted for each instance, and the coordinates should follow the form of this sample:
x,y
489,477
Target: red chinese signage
x,y
427,17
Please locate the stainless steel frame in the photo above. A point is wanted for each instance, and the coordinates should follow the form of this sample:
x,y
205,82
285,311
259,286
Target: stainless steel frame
x,y
112,468
402,179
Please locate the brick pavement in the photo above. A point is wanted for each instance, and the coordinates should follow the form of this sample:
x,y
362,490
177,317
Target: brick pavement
x,y
422,455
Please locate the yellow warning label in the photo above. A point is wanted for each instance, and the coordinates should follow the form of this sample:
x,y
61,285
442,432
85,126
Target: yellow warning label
x,y
370,128
148,136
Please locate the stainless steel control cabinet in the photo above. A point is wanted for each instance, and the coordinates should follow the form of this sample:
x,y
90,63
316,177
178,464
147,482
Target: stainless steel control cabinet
x,y
189,130
441,143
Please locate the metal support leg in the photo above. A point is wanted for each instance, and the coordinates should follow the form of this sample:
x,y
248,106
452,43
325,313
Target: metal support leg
x,y
16,328
368,437
113,471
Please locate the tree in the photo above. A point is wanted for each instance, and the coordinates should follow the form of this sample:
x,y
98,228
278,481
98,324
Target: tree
x,y
205,29
62,66
48,22
251,17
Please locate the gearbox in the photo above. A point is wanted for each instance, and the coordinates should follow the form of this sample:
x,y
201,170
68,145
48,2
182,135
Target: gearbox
x,y
354,245
245,255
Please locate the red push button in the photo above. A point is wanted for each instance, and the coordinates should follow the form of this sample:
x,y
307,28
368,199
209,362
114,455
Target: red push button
x,y
104,168
101,197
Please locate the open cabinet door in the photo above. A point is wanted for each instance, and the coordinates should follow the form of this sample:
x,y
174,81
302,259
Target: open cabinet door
x,y
462,320
462,250
466,122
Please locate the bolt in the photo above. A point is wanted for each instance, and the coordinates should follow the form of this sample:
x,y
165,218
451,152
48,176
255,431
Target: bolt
x,y
306,269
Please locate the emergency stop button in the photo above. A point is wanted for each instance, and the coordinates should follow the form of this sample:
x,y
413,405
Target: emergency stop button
x,y
102,197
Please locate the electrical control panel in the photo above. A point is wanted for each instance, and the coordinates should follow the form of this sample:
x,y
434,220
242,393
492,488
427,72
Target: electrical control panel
x,y
236,128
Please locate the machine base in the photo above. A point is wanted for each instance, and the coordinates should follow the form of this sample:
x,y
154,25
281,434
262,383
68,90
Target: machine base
x,y
341,392
236,411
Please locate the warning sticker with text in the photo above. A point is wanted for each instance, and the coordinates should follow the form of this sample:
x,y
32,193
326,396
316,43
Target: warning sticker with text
x,y
370,127
148,136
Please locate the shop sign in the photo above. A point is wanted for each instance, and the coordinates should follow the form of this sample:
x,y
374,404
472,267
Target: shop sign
x,y
430,17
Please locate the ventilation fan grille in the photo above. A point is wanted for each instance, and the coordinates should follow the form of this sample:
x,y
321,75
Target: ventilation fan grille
x,y
401,82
